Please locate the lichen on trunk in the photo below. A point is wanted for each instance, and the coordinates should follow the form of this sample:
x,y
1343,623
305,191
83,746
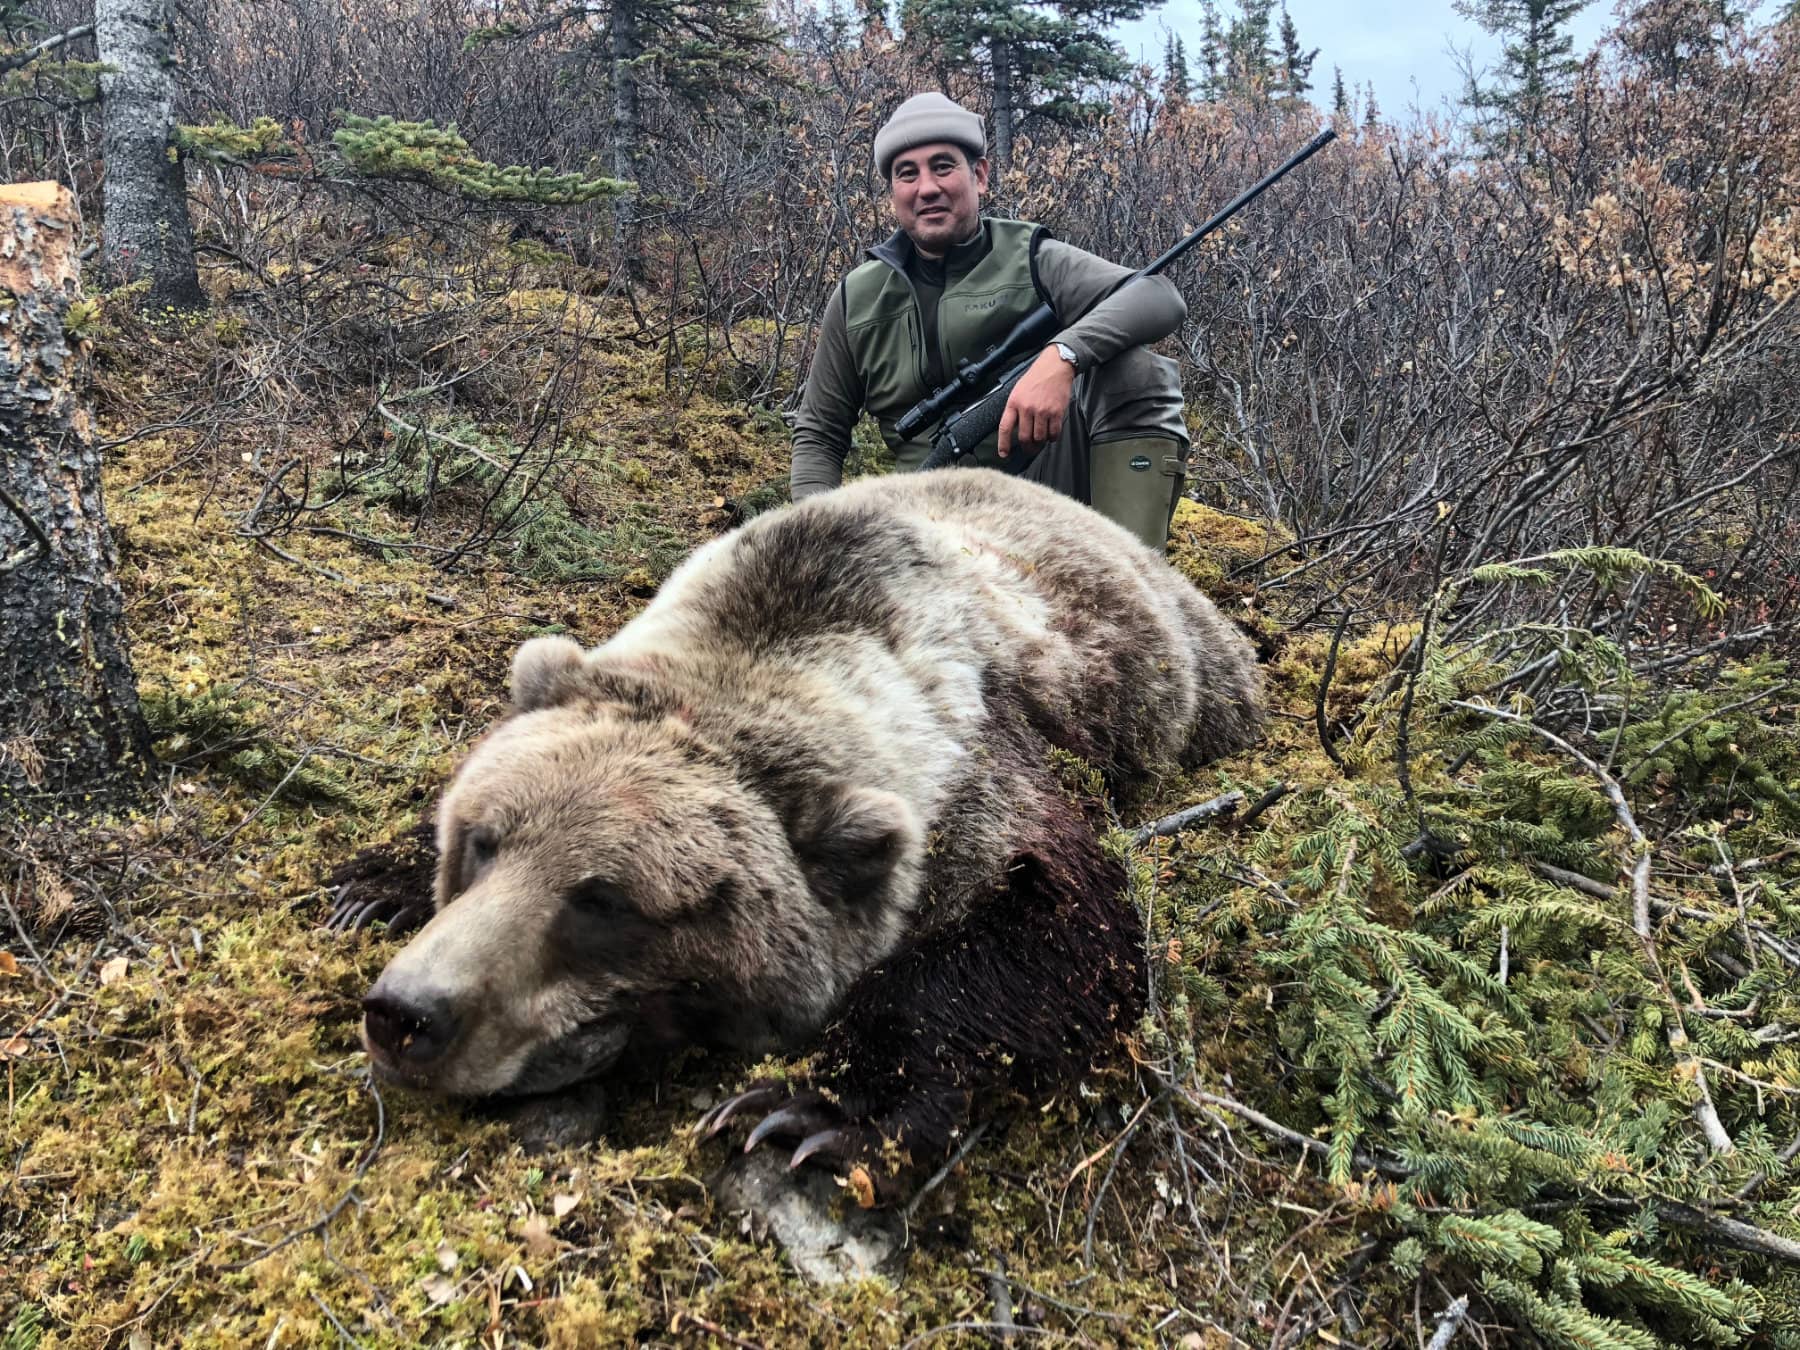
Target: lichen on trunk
x,y
69,719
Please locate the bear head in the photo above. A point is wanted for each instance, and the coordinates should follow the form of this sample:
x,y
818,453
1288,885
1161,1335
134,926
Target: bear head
x,y
610,878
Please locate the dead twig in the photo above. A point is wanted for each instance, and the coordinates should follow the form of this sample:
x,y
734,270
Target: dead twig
x,y
1319,720
1261,804
938,1177
1447,1323
1638,870
1188,816
687,1321
1078,1309
40,545
324,1221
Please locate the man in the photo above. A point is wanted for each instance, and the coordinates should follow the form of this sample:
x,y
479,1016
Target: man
x,y
949,285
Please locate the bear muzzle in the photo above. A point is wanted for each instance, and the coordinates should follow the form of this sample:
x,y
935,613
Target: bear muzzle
x,y
407,1035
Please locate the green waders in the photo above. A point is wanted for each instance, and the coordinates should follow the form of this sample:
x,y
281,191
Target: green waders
x,y
1124,446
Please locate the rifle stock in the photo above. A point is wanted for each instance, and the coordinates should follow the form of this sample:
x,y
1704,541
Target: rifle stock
x,y
965,430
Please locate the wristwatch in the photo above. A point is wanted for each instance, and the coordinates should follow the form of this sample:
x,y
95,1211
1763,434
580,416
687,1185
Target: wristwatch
x,y
1067,353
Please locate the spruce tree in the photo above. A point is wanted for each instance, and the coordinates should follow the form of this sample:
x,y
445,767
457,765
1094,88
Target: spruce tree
x,y
1039,57
1296,64
69,718
1536,65
1212,51
709,55
1250,49
1340,97
146,235
1177,85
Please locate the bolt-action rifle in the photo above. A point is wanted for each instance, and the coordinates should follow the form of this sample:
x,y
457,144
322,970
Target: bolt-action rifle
x,y
970,406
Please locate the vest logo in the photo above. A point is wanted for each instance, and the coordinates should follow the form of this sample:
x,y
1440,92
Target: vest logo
x,y
983,305
1140,463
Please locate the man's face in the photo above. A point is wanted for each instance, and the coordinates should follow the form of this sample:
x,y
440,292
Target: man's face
x,y
937,195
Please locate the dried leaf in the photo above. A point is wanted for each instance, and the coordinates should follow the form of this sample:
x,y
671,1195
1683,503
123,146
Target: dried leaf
x,y
447,1258
560,1205
9,964
113,972
538,1240
440,1289
862,1186
16,1048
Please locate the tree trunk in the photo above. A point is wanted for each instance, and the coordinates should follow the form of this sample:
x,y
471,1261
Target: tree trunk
x,y
69,720
626,130
146,231
1000,53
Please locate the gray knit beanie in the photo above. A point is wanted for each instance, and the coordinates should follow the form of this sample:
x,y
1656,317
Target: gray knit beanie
x,y
925,118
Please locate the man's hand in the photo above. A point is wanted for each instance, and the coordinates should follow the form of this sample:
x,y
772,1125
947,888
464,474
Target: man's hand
x,y
1034,414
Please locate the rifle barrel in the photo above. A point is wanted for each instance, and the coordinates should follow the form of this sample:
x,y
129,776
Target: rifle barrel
x,y
1238,203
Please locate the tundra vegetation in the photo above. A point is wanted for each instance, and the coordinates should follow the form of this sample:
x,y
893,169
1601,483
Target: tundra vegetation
x,y
1473,1021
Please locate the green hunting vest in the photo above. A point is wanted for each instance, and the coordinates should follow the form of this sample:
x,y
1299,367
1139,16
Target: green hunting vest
x,y
883,323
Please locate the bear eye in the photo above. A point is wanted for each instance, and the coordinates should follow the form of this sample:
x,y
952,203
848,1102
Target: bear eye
x,y
480,847
598,898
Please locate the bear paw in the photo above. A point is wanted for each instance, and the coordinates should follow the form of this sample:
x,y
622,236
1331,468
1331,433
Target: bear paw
x,y
821,1131
352,911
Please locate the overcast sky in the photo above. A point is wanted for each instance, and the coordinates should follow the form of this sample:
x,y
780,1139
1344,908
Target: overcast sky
x,y
1403,49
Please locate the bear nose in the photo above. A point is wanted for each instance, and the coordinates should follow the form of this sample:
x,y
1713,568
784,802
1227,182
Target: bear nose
x,y
415,1030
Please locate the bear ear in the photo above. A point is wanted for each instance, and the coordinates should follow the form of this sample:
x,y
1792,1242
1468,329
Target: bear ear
x,y
539,669
855,845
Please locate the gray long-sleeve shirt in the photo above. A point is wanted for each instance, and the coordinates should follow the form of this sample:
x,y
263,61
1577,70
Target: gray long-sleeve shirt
x,y
1148,309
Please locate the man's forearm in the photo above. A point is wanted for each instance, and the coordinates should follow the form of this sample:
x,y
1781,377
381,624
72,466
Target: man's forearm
x,y
1143,311
829,406
1079,282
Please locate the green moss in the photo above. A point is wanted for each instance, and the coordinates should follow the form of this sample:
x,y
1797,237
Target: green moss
x,y
174,1126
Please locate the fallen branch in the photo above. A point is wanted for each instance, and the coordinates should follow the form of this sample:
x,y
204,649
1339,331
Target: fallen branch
x,y
1746,1237
1396,1170
1574,880
1001,1292
1188,816
1736,1233
1447,1323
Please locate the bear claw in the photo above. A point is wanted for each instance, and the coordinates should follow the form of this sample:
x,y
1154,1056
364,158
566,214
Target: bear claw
x,y
834,1143
351,914
788,1120
713,1121
814,1120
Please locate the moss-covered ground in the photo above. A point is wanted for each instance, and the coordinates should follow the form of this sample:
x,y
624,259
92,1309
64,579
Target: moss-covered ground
x,y
195,1156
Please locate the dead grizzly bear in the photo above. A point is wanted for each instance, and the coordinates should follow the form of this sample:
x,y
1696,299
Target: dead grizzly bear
x,y
808,799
